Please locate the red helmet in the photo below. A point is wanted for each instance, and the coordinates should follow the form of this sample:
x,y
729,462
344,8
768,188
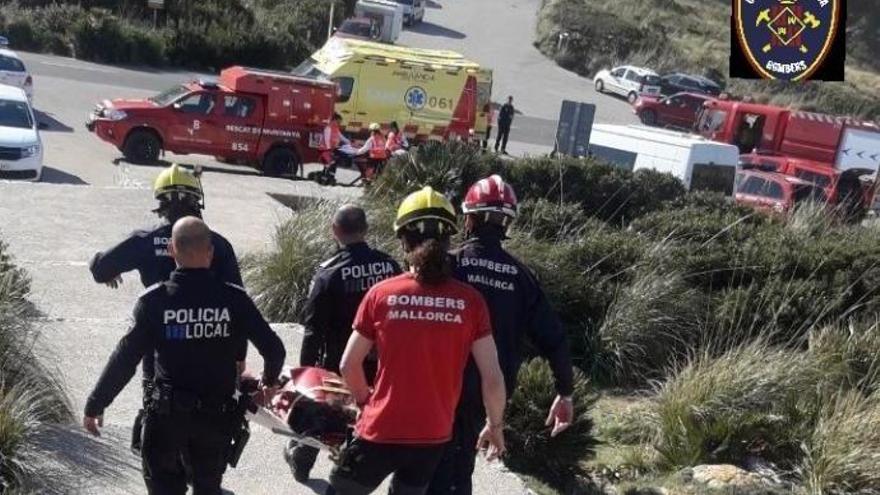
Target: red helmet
x,y
490,195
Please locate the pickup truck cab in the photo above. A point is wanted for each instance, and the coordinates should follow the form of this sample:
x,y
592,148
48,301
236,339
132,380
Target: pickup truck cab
x,y
774,192
270,120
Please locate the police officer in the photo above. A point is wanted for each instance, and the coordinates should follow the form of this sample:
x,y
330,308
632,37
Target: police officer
x,y
336,291
195,324
518,309
179,194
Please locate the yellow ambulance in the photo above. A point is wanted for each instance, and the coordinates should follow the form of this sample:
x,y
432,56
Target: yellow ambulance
x,y
431,94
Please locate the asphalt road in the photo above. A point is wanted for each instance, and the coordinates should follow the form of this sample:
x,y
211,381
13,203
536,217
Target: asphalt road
x,y
88,201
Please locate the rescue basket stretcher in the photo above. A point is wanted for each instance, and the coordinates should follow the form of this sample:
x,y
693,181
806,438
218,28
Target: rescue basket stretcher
x,y
312,406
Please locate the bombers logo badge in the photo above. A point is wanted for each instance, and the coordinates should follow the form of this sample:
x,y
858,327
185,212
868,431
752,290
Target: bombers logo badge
x,y
786,39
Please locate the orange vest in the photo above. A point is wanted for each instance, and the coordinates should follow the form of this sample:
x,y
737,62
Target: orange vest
x,y
377,149
394,141
335,136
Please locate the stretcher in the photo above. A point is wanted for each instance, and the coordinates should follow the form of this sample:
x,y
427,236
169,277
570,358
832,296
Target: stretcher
x,y
312,406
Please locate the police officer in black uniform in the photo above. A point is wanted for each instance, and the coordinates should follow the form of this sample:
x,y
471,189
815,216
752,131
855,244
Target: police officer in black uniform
x,y
179,194
335,294
518,309
194,323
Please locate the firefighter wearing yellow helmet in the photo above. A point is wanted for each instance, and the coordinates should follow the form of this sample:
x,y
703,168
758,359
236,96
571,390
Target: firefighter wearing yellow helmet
x,y
179,193
429,324
374,147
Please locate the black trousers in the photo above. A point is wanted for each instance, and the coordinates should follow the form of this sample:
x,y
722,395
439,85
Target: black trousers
x,y
363,465
203,439
488,137
456,467
501,138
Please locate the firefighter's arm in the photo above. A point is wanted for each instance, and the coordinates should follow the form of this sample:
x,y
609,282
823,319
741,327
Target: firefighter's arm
x,y
315,322
107,265
366,147
548,335
491,439
258,331
121,366
352,366
228,263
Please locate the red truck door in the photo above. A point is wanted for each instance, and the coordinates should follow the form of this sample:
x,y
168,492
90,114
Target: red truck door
x,y
242,117
194,127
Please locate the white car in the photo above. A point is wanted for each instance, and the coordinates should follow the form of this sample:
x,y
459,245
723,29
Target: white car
x,y
21,150
413,11
14,73
628,81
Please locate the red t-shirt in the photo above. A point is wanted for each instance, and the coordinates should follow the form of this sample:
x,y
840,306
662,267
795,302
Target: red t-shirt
x,y
423,335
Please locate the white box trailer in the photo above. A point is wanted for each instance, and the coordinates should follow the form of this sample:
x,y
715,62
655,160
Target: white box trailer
x,y
387,14
699,163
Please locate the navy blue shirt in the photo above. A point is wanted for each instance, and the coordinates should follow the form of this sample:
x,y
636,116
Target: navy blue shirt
x,y
195,324
518,309
147,252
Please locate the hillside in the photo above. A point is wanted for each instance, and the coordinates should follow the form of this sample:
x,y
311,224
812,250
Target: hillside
x,y
694,36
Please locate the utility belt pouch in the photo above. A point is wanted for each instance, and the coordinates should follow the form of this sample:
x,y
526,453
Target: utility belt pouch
x,y
148,386
160,399
240,437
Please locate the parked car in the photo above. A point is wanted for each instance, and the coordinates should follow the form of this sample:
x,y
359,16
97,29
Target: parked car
x,y
14,73
247,116
628,81
21,149
775,192
413,11
679,110
678,82
360,28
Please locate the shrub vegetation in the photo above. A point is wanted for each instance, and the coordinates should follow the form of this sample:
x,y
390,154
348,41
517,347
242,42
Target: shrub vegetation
x,y
746,332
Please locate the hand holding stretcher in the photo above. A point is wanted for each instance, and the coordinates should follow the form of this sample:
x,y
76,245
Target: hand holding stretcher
x,y
312,406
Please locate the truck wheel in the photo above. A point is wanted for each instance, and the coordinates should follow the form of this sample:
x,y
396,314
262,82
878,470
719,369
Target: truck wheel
x,y
600,86
648,117
632,97
142,146
280,162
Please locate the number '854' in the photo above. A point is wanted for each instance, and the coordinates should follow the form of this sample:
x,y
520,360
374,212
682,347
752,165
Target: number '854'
x,y
239,147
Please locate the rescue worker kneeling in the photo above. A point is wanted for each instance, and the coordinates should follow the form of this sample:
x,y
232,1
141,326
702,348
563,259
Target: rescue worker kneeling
x,y
196,325
423,324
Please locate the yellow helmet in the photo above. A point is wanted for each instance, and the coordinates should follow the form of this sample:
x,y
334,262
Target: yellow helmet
x,y
375,127
177,183
426,211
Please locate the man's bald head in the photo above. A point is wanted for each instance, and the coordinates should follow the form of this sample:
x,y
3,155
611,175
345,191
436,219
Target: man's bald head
x,y
350,224
191,243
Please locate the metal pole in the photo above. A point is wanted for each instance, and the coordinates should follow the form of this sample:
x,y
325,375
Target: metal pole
x,y
330,21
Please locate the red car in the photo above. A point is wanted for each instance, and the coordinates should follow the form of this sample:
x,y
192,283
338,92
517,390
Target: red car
x,y
775,192
679,110
271,120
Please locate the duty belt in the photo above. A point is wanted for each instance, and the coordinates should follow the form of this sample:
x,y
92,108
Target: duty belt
x,y
167,400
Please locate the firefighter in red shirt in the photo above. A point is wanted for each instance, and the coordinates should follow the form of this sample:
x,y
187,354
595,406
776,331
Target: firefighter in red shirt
x,y
335,149
424,325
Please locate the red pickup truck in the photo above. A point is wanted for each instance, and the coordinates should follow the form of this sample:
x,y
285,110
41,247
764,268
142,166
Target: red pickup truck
x,y
271,120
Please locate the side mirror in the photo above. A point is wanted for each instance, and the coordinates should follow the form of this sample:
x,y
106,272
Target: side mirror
x,y
42,126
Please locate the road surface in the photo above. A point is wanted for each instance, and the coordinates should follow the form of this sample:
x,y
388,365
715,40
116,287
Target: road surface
x,y
88,201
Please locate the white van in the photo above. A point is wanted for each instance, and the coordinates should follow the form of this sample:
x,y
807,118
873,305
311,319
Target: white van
x,y
413,11
699,163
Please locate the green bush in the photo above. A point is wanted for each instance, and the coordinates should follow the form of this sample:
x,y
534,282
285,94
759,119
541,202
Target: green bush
x,y
278,280
31,395
549,221
102,37
750,400
530,447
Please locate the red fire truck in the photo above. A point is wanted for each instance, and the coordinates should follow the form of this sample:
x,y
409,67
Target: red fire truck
x,y
767,133
270,120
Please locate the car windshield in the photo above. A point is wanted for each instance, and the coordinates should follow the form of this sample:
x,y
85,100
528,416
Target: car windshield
x,y
651,80
809,193
169,95
11,64
357,28
15,114
308,68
